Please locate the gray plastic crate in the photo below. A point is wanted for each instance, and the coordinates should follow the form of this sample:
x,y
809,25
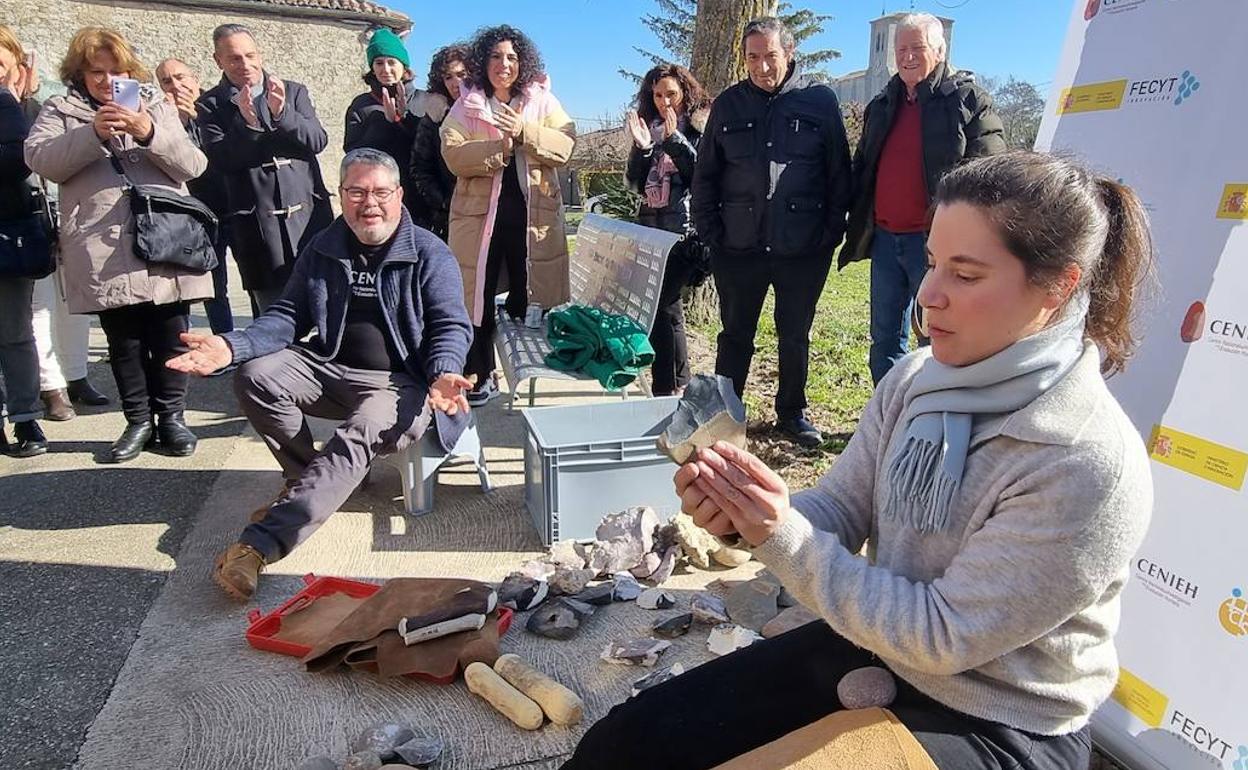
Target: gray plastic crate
x,y
581,462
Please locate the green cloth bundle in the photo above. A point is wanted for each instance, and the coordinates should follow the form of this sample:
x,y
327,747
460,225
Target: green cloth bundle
x,y
612,349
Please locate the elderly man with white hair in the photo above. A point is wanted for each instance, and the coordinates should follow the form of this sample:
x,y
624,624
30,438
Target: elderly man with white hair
x,y
929,118
384,302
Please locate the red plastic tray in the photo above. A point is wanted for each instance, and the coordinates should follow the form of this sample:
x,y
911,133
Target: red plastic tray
x,y
262,627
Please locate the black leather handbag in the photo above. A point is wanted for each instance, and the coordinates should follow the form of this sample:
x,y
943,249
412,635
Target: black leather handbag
x,y
170,228
27,244
25,250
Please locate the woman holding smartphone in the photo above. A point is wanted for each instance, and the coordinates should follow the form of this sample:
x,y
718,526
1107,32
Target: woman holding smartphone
x,y
142,307
378,118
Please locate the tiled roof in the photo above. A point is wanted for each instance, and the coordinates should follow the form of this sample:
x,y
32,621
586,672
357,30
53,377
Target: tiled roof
x,y
351,6
359,9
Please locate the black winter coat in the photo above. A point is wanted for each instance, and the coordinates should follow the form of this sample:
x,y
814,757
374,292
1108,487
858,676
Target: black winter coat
x,y
208,187
277,198
15,190
433,184
958,123
367,127
682,148
773,172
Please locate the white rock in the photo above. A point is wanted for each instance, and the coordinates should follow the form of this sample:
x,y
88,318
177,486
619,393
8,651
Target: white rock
x,y
656,599
728,637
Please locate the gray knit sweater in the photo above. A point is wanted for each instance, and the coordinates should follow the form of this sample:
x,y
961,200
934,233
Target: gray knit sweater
x,y
1010,614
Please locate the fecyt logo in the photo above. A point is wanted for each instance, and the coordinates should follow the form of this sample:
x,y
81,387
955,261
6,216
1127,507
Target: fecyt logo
x,y
1201,736
1164,88
1233,614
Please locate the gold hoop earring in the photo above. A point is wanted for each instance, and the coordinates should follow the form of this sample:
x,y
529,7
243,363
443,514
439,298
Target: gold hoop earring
x,y
918,320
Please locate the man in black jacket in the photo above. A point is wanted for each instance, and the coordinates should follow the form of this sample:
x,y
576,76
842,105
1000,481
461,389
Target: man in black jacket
x,y
928,118
770,192
182,89
262,133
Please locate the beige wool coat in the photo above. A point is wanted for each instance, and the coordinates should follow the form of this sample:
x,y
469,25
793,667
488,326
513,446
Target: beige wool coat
x,y
473,150
98,267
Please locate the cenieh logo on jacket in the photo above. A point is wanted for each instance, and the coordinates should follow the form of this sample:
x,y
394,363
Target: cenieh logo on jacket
x,y
1145,702
1233,613
1200,457
1092,97
1234,201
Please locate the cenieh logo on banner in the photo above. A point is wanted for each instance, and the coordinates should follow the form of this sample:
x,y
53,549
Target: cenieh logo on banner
x,y
1165,582
1110,7
1200,457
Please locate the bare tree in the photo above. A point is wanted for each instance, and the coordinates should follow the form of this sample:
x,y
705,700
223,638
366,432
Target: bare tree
x,y
1020,106
717,60
674,22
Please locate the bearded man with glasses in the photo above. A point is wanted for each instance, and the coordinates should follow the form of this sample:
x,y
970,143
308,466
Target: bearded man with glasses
x,y
385,301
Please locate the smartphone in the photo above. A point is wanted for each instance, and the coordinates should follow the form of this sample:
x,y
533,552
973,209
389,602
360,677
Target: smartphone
x,y
126,93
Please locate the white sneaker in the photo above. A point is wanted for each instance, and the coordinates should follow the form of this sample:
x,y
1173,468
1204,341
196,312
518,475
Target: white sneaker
x,y
484,394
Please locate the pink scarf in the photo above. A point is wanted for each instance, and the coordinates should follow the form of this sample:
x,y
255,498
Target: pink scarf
x,y
659,180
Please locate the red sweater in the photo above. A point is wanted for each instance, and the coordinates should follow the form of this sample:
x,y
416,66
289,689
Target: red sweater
x,y
900,187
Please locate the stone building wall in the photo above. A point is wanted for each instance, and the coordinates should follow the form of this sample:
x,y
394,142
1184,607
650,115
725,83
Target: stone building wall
x,y
324,54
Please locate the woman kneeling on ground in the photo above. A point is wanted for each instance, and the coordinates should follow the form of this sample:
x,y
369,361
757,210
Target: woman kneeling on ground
x,y
1001,486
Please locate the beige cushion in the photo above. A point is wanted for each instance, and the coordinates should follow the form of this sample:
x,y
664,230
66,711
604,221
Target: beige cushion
x,y
862,739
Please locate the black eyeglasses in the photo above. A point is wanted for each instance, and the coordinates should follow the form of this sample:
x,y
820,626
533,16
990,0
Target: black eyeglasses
x,y
360,194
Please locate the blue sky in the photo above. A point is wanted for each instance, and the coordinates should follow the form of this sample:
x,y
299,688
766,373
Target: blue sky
x,y
585,42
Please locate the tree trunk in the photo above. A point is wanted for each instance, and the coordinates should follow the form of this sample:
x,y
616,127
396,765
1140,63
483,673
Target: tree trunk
x,y
717,60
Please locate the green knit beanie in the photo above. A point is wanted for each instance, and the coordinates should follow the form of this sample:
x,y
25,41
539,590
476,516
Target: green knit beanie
x,y
386,43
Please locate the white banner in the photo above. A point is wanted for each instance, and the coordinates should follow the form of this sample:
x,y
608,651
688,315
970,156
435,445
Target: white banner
x,y
1152,92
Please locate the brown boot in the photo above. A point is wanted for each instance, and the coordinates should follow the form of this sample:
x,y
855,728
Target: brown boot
x,y
238,570
56,405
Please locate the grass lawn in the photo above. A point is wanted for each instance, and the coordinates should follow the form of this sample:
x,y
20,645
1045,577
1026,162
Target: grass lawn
x,y
838,386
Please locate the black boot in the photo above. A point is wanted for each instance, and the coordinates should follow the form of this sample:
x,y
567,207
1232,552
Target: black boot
x,y
83,392
134,439
28,439
175,438
4,439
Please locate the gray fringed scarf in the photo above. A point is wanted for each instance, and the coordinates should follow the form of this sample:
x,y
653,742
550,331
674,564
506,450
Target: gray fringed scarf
x,y
945,404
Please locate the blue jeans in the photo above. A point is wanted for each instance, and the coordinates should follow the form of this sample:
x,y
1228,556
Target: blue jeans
x,y
19,363
898,264
220,317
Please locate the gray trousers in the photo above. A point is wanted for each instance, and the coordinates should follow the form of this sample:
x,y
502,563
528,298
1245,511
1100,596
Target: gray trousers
x,y
382,412
19,362
262,298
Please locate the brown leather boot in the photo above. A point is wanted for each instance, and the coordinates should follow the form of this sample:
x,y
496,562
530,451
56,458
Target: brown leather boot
x,y
56,405
238,570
